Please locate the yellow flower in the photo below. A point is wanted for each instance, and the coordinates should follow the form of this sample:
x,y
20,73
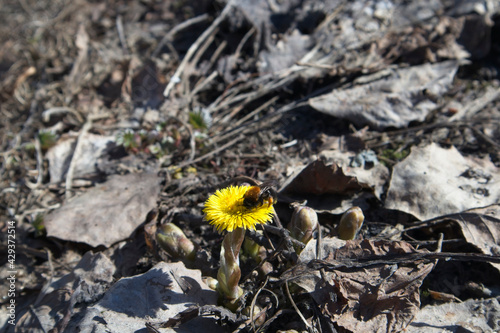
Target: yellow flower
x,y
225,210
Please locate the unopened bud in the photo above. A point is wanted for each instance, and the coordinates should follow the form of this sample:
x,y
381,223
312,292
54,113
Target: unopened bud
x,y
251,248
350,223
171,238
258,320
211,282
304,222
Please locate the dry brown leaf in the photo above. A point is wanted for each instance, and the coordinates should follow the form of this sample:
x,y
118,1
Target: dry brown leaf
x,y
377,298
92,146
376,176
470,316
108,213
401,96
319,179
481,228
433,181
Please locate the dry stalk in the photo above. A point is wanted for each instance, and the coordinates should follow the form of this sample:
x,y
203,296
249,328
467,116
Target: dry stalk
x,y
78,148
212,153
198,87
296,308
217,53
190,53
181,26
121,35
39,166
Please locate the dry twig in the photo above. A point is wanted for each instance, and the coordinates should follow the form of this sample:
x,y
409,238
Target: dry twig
x,y
190,53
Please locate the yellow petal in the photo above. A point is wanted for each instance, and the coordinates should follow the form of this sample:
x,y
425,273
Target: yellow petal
x,y
225,210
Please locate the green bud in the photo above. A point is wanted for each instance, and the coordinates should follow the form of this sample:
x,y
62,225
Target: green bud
x,y
256,310
211,282
304,222
171,238
350,223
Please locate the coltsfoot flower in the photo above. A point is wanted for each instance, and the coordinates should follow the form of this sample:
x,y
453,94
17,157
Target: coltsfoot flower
x,y
235,209
225,210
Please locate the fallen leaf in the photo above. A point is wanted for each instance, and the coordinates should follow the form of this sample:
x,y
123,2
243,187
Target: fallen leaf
x,y
86,283
318,179
376,176
470,316
155,296
480,227
60,156
433,181
402,96
285,53
373,298
327,189
106,214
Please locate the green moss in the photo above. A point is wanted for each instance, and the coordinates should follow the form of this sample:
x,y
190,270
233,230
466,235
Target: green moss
x,y
197,121
47,139
395,154
39,225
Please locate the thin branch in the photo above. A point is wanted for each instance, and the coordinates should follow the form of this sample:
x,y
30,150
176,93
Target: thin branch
x,y
217,53
212,153
243,42
476,105
76,153
203,47
39,166
170,35
60,110
203,84
254,300
402,259
298,271
121,34
296,308
178,73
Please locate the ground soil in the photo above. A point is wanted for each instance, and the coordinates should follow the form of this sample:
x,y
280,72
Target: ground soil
x,y
64,63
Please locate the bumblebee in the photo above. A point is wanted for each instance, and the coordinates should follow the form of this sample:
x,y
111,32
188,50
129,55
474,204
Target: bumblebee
x,y
257,196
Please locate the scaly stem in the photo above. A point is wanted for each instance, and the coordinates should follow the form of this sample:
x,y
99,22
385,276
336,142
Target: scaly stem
x,y
229,272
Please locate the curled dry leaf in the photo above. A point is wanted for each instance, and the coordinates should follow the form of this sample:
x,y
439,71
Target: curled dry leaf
x,y
327,189
318,178
373,298
376,176
93,146
480,227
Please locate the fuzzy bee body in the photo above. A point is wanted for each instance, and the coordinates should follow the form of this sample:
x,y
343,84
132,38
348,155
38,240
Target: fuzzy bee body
x,y
257,196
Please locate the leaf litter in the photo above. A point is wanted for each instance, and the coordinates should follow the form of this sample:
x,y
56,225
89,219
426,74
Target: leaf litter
x,y
231,92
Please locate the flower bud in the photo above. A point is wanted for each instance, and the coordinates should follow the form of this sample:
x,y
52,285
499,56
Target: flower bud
x,y
171,238
350,223
251,249
258,320
304,222
211,282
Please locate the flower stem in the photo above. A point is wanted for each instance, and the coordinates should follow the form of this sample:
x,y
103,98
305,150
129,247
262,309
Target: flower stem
x,y
229,272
